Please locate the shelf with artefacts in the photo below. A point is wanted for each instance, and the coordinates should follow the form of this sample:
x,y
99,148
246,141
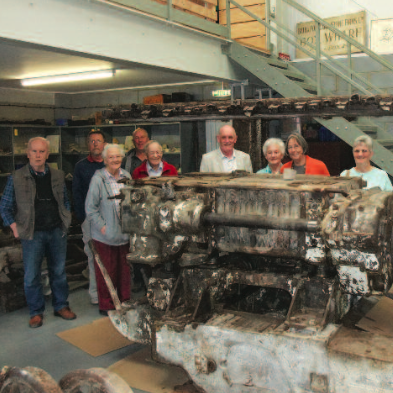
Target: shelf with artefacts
x,y
74,147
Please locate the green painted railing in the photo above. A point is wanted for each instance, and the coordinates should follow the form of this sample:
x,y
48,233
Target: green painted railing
x,y
345,72
322,59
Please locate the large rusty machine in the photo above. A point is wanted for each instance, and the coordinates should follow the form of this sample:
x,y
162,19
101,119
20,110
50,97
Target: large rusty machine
x,y
254,282
252,275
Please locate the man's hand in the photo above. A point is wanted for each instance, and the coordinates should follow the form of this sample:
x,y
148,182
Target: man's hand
x,y
103,230
14,230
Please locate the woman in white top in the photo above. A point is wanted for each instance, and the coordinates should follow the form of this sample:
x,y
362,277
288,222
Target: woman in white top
x,y
362,152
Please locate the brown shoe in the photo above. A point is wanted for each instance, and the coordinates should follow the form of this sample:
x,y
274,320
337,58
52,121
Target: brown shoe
x,y
65,313
36,321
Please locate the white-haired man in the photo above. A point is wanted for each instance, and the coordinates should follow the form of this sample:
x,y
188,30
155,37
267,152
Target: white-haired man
x,y
36,207
226,158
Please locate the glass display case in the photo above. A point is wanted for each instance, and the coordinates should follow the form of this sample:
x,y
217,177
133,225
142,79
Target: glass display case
x,y
73,146
68,145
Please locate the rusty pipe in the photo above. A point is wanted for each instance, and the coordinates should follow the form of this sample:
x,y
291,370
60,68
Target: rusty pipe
x,y
261,222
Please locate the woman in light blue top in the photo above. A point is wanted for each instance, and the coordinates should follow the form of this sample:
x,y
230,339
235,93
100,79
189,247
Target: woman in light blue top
x,y
362,152
273,150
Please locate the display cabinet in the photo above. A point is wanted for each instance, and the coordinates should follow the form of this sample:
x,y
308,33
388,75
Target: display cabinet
x,y
6,155
167,134
68,145
73,146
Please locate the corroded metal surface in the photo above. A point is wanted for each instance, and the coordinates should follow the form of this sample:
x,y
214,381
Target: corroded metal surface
x,y
251,274
27,380
93,380
358,233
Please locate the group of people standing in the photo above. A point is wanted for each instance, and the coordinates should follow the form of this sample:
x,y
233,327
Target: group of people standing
x,y
226,158
36,207
96,179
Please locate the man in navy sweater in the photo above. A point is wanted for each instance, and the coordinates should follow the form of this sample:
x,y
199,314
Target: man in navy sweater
x,y
83,172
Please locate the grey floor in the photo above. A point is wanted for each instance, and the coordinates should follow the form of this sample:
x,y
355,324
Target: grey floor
x,y
21,346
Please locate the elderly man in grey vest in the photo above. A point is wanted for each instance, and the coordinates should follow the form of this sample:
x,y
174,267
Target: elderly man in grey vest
x,y
36,207
226,158
135,157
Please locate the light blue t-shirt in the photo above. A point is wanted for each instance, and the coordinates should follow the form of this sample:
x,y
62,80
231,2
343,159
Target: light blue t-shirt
x,y
267,169
375,178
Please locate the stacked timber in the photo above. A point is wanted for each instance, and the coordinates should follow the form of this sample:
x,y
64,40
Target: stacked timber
x,y
203,8
244,28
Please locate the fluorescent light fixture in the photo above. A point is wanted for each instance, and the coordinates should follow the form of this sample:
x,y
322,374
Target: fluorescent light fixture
x,y
80,76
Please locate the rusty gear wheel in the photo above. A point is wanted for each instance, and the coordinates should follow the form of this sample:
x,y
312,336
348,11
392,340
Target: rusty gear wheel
x,y
27,380
93,380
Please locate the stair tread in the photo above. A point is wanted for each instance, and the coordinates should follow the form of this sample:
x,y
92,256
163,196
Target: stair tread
x,y
293,74
365,127
385,141
276,62
307,86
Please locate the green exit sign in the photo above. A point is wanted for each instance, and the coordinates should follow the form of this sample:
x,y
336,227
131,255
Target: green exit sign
x,y
221,93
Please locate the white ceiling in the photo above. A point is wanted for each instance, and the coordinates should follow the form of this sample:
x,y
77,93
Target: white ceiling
x,y
18,61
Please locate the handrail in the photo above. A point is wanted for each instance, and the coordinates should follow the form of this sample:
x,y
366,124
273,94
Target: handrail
x,y
347,38
350,73
334,61
297,45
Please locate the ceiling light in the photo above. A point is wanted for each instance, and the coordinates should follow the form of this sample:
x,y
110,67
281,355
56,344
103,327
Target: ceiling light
x,y
68,77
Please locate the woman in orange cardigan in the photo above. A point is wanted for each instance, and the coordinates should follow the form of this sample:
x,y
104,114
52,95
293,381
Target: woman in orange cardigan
x,y
296,147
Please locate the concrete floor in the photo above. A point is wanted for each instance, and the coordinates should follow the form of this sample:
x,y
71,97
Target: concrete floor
x,y
21,346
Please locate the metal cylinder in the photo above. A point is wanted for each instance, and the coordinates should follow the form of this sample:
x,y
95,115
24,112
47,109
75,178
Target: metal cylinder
x,y
248,221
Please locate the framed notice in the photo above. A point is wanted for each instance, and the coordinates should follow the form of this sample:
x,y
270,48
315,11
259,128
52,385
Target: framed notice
x,y
382,35
353,25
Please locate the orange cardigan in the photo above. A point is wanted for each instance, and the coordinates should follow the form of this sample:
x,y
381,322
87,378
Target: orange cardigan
x,y
313,167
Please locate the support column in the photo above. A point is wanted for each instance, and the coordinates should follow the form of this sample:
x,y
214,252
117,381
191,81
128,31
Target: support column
x,y
250,136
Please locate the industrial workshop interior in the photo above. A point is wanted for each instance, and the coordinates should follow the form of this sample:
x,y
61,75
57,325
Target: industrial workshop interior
x,y
196,196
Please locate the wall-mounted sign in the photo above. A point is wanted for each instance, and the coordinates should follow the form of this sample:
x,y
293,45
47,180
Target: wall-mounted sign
x,y
382,35
353,25
221,93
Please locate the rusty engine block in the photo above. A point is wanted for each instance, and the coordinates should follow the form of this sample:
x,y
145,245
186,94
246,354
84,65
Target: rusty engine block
x,y
250,273
259,243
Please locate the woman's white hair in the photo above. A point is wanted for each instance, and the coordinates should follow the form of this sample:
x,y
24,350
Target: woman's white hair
x,y
273,141
364,139
112,146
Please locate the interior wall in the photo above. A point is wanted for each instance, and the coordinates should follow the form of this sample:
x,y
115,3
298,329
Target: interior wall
x,y
21,105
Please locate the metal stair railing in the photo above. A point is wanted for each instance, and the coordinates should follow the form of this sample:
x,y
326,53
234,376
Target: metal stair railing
x,y
335,67
347,70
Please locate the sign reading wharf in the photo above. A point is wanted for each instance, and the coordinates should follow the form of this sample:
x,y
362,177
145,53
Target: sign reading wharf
x,y
353,25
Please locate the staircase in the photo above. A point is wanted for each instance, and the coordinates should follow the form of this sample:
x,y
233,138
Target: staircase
x,y
290,82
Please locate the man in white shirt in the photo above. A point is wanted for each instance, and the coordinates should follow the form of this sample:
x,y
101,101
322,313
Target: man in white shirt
x,y
226,158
